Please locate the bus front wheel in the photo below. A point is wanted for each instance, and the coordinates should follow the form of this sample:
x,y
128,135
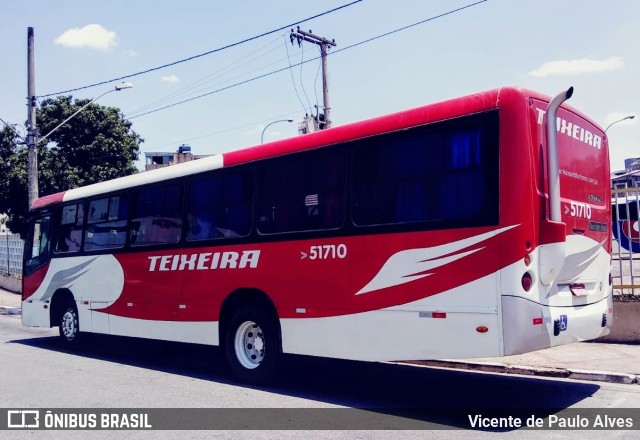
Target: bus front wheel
x,y
69,325
252,344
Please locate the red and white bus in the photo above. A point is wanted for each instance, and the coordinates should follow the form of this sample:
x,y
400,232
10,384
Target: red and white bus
x,y
474,227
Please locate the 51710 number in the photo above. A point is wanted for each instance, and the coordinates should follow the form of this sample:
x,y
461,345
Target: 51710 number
x,y
327,251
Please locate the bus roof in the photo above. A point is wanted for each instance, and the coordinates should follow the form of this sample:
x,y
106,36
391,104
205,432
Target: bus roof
x,y
383,124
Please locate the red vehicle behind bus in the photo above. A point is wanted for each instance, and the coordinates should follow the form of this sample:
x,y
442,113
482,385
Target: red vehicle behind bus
x,y
473,227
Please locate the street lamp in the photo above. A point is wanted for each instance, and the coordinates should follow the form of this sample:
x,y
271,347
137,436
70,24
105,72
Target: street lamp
x,y
619,120
34,141
271,123
116,89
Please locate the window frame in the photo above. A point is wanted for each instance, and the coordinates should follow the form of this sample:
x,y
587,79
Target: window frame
x,y
134,193
43,258
57,225
221,174
488,123
304,158
111,195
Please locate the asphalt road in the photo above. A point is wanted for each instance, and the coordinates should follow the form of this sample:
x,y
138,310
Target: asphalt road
x,y
37,372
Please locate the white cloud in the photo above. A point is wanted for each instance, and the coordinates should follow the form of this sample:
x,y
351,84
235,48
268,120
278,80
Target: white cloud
x,y
171,79
576,67
131,53
92,36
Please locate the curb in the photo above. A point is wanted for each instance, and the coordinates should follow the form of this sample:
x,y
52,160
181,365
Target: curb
x,y
604,376
562,373
10,310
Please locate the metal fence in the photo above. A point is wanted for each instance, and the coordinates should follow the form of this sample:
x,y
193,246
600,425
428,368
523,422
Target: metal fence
x,y
11,247
626,242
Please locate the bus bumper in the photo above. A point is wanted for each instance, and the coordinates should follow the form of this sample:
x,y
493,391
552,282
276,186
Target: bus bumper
x,y
36,313
529,326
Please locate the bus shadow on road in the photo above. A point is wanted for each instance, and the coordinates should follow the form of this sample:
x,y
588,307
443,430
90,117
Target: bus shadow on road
x,y
402,392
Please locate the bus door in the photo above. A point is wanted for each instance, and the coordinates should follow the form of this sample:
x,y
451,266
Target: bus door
x,y
37,254
37,257
153,274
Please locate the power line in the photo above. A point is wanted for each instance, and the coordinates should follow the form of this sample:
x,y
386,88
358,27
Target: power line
x,y
227,130
368,40
286,46
215,91
11,127
435,17
202,83
302,82
133,113
315,83
184,60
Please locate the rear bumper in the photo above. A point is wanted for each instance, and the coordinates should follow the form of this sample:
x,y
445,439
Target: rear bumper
x,y
529,326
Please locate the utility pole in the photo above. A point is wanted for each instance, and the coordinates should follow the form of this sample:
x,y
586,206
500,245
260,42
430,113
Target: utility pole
x,y
300,36
32,131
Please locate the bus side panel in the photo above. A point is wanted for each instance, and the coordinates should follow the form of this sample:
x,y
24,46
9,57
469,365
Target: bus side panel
x,y
425,329
204,332
156,296
84,277
302,278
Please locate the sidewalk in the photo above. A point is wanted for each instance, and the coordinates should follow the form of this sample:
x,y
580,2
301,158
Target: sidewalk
x,y
597,361
9,303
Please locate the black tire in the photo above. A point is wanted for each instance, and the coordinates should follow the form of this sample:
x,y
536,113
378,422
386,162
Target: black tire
x,y
69,325
252,345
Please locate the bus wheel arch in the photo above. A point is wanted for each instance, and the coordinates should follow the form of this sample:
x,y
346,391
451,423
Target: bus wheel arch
x,y
250,335
64,315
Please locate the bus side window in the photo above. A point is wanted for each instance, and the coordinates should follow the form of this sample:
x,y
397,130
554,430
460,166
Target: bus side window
x,y
69,229
38,243
219,206
157,215
445,175
304,193
106,223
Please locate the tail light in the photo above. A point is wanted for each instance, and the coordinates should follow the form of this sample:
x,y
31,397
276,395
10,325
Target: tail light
x,y
527,281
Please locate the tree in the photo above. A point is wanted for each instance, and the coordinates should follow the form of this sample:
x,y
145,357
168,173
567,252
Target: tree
x,y
13,178
95,145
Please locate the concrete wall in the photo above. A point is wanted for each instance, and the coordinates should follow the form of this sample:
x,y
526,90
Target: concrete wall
x,y
11,284
626,322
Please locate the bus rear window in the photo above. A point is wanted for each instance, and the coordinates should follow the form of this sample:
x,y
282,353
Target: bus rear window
x,y
443,174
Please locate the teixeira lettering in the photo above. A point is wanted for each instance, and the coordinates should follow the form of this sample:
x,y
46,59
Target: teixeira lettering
x,y
573,130
205,261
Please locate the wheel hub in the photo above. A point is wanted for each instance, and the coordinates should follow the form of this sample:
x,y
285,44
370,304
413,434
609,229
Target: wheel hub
x,y
69,326
249,345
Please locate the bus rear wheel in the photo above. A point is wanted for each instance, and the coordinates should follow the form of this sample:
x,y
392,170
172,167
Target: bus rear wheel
x,y
252,345
69,325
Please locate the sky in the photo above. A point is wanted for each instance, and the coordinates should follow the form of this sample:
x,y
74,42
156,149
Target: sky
x,y
232,94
